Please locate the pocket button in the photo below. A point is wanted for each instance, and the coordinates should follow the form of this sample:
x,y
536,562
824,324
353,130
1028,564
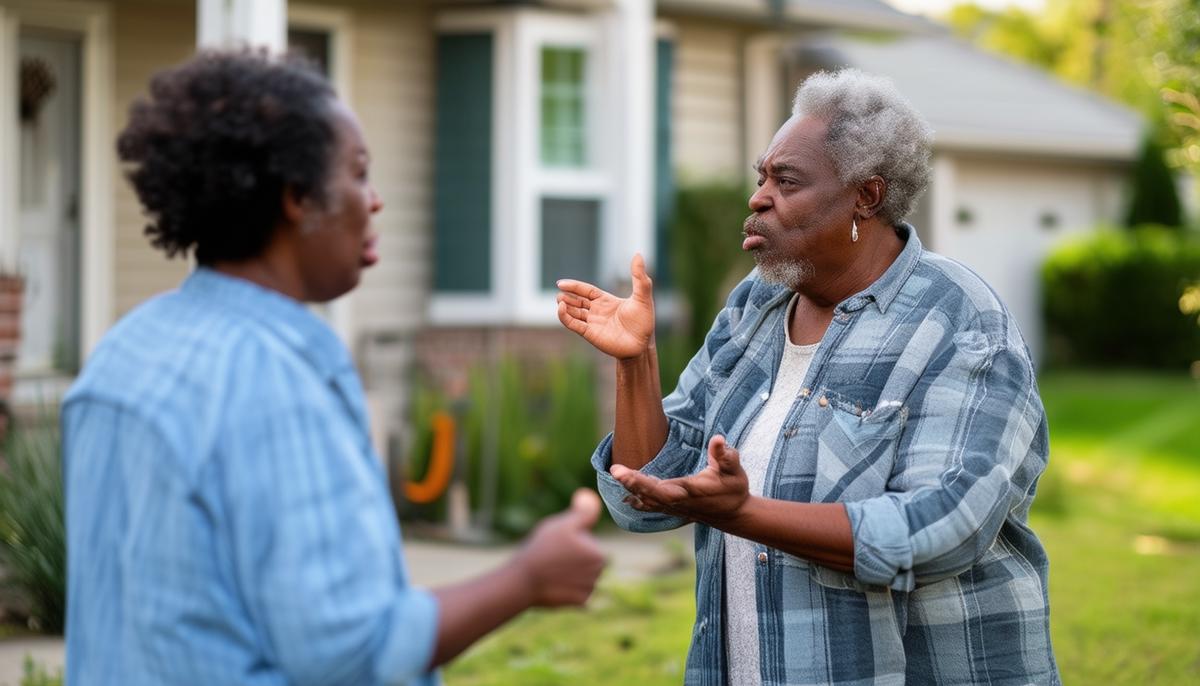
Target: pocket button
x,y
823,402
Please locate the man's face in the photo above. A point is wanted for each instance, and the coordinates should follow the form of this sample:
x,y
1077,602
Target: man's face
x,y
802,211
336,242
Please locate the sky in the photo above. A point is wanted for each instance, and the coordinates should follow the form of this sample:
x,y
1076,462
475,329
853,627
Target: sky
x,y
934,7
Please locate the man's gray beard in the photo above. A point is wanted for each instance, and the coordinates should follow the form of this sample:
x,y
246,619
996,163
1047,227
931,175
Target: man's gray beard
x,y
790,273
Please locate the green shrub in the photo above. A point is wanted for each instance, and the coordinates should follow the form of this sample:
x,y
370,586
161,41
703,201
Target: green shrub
x,y
529,430
1117,298
707,261
33,549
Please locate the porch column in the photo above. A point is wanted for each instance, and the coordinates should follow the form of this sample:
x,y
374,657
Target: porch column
x,y
224,23
632,46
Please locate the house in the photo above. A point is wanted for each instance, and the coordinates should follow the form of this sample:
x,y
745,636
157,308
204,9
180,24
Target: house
x,y
514,142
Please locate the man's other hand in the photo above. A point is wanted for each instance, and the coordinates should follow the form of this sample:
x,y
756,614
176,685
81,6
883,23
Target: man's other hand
x,y
715,495
561,560
620,327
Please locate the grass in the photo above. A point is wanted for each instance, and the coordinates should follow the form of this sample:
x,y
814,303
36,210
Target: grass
x,y
629,634
1125,553
1118,511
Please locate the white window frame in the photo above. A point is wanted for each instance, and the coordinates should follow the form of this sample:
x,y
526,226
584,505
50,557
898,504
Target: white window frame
x,y
519,179
593,181
339,24
91,21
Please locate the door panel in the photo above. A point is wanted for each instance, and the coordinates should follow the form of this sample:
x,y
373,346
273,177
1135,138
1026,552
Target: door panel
x,y
49,241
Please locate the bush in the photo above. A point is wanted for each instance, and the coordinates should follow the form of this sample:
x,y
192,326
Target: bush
x,y
33,548
1117,298
707,262
529,432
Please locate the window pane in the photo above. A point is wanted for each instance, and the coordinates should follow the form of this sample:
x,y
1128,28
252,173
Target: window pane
x,y
563,135
313,44
570,240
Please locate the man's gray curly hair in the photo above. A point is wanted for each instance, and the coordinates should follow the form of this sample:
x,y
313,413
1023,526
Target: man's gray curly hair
x,y
872,130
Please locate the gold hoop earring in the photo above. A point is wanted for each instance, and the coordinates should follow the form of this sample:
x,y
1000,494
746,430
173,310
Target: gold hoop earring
x,y
853,231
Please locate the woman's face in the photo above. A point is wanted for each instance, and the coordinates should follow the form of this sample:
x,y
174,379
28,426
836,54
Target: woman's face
x,y
335,241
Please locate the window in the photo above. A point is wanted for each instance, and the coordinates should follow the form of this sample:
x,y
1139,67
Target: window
x,y
524,191
324,36
315,44
570,240
563,101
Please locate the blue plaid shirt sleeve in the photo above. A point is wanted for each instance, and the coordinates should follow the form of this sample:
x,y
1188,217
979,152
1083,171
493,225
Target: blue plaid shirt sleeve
x,y
318,557
973,447
683,452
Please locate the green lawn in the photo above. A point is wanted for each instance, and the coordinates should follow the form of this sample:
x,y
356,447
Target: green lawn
x,y
1119,511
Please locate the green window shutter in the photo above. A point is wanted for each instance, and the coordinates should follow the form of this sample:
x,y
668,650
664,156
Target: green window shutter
x,y
664,186
462,197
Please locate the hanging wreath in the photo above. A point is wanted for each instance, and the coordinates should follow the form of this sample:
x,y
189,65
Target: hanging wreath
x,y
37,84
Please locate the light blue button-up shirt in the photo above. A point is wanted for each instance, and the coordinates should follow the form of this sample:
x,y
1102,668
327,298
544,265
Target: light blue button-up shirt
x,y
227,519
920,412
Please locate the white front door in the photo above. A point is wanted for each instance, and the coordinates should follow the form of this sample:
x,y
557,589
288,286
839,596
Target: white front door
x,y
49,198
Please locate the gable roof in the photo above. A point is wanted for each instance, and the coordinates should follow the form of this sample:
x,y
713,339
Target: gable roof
x,y
979,101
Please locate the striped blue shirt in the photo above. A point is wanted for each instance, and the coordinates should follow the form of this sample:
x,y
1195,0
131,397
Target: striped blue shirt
x,y
920,412
227,519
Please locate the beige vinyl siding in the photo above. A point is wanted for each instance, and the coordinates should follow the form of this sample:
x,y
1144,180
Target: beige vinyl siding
x,y
707,130
147,36
393,94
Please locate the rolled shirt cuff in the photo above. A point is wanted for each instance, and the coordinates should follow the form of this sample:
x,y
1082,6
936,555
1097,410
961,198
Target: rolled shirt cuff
x,y
882,553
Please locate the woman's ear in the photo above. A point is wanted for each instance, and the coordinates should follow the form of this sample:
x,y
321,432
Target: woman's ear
x,y
299,211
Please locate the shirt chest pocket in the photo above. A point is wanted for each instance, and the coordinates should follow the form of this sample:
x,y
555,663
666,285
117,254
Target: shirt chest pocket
x,y
856,447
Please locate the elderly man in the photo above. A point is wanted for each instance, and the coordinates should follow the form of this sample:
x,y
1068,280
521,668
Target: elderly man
x,y
870,526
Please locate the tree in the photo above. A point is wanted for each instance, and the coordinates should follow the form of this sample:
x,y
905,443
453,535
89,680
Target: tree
x,y
1154,199
1143,53
1178,67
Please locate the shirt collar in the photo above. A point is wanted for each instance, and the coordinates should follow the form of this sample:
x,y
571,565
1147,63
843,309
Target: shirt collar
x,y
284,317
885,289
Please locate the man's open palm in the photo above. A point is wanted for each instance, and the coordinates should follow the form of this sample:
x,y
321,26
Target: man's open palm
x,y
714,495
620,327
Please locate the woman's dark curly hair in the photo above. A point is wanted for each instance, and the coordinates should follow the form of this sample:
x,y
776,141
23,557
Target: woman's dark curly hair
x,y
217,142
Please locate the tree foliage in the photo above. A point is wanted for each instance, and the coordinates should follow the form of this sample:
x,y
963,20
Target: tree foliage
x,y
1154,199
1144,53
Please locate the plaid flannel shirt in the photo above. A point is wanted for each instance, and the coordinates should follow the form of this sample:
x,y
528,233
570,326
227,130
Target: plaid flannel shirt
x,y
921,413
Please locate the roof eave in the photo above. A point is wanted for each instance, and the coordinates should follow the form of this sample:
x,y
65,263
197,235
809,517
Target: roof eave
x,y
1103,149
802,17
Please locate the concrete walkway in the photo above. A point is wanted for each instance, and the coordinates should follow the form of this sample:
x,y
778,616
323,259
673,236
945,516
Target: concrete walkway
x,y
630,557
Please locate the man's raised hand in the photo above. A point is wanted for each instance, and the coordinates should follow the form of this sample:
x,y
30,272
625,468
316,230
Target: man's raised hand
x,y
561,559
620,327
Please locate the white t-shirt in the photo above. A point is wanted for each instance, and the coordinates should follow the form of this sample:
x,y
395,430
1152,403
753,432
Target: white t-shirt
x,y
741,601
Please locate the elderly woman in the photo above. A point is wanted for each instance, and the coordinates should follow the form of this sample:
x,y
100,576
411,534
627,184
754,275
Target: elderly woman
x,y
227,520
870,526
